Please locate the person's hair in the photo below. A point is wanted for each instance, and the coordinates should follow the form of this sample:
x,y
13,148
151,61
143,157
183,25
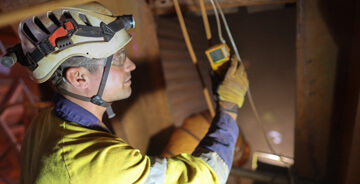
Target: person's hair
x,y
58,78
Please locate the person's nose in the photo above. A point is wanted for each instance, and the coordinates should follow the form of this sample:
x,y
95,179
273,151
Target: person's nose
x,y
129,65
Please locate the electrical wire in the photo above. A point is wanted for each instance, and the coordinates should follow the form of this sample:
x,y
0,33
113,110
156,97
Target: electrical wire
x,y
221,38
252,104
227,30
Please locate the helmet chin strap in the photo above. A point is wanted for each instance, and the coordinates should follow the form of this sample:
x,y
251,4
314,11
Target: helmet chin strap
x,y
97,98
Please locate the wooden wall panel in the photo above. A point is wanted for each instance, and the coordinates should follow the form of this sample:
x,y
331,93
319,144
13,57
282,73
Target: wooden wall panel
x,y
182,81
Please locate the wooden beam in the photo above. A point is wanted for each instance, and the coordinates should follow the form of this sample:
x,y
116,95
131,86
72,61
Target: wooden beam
x,y
354,160
317,55
11,17
328,82
165,7
9,39
345,30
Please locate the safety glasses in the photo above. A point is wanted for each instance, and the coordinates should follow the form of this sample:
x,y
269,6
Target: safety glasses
x,y
119,59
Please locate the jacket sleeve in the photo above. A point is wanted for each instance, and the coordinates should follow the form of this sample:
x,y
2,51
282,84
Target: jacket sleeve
x,y
210,162
218,145
183,168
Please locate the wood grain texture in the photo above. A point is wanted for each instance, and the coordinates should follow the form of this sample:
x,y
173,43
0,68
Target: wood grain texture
x,y
316,66
182,81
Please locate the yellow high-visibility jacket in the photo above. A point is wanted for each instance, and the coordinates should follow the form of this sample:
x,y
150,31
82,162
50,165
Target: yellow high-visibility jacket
x,y
59,151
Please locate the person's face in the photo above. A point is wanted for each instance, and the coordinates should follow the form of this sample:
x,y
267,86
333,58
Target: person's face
x,y
118,82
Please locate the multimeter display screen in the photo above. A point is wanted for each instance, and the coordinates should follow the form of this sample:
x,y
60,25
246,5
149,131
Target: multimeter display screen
x,y
216,55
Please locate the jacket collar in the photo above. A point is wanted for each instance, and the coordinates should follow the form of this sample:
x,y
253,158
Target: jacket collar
x,y
69,111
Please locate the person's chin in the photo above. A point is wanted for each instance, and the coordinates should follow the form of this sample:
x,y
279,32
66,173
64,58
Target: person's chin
x,y
126,93
129,92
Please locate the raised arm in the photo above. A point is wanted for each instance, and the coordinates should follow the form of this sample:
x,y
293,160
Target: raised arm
x,y
217,147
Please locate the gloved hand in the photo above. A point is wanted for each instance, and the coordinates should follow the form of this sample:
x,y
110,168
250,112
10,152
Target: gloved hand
x,y
235,84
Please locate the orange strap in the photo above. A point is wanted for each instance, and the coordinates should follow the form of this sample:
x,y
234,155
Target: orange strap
x,y
69,26
60,32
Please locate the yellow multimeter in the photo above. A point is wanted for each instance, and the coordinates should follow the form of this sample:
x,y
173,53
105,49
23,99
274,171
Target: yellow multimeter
x,y
218,55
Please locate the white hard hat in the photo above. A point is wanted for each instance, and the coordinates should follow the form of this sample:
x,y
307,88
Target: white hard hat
x,y
47,40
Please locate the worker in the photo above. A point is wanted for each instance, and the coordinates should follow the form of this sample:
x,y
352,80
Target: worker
x,y
81,50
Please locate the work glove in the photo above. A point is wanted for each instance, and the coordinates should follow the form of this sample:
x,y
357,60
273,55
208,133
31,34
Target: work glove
x,y
235,84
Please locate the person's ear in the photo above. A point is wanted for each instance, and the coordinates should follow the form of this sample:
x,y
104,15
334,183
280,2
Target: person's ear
x,y
78,77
